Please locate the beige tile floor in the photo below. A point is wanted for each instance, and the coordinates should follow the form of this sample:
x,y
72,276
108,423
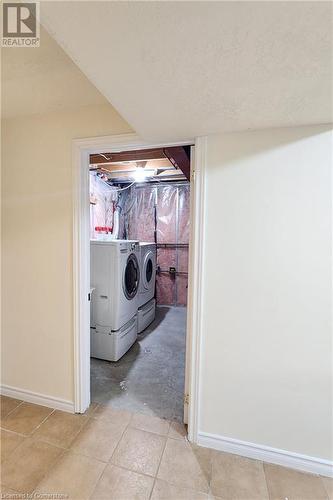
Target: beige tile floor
x,y
116,455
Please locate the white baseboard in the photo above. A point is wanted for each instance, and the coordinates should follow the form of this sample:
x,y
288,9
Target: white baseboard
x,y
37,398
266,454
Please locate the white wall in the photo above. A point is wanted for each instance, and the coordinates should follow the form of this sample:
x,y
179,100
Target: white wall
x,y
267,353
37,289
266,369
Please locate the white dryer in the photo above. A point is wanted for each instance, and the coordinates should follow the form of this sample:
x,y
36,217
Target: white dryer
x,y
115,277
148,272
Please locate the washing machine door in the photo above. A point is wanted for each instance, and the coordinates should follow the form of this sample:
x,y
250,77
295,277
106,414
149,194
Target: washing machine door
x,y
148,270
131,277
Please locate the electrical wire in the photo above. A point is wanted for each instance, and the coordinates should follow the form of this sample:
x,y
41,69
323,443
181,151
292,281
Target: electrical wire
x,y
123,189
105,157
115,188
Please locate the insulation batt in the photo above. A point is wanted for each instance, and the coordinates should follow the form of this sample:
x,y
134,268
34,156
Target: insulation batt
x,y
150,213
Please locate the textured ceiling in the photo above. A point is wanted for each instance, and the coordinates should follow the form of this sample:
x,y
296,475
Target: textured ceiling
x,y
43,79
182,69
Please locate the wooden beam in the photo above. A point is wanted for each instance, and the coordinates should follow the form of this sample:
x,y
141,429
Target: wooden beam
x,y
132,166
137,155
179,159
177,155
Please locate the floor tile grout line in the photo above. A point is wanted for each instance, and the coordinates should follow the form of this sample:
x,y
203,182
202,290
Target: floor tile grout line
x,y
175,483
117,466
90,456
69,447
130,470
63,451
266,481
41,440
136,428
13,432
35,438
54,464
324,485
4,460
86,421
151,432
121,437
61,456
211,474
93,411
30,434
192,490
42,422
158,467
81,454
99,478
11,411
109,461
127,426
51,466
45,440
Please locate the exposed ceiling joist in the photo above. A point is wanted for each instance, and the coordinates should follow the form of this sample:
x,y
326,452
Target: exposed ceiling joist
x,y
178,156
162,163
180,159
137,155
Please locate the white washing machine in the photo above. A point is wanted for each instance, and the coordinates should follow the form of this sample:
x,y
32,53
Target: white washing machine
x,y
115,277
112,345
148,272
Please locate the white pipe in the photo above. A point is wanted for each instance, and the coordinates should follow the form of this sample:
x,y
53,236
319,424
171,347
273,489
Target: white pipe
x,y
115,230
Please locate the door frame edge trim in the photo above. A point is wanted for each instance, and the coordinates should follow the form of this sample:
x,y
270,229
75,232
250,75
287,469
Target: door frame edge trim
x,y
81,149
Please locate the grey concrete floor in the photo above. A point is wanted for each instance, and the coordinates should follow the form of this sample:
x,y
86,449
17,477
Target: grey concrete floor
x,y
149,378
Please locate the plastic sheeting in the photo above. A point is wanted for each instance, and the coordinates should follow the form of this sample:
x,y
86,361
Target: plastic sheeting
x,y
152,213
183,236
141,218
105,197
161,214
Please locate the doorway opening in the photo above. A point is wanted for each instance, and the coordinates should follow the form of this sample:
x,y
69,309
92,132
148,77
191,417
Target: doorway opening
x,y
139,274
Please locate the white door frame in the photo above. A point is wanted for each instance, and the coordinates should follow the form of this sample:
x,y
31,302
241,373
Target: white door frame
x,y
82,148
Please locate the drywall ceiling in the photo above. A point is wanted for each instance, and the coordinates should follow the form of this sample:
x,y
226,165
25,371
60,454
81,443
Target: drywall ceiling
x,y
181,69
44,79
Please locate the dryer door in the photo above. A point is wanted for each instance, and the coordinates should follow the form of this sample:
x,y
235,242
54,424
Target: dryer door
x,y
131,277
148,270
